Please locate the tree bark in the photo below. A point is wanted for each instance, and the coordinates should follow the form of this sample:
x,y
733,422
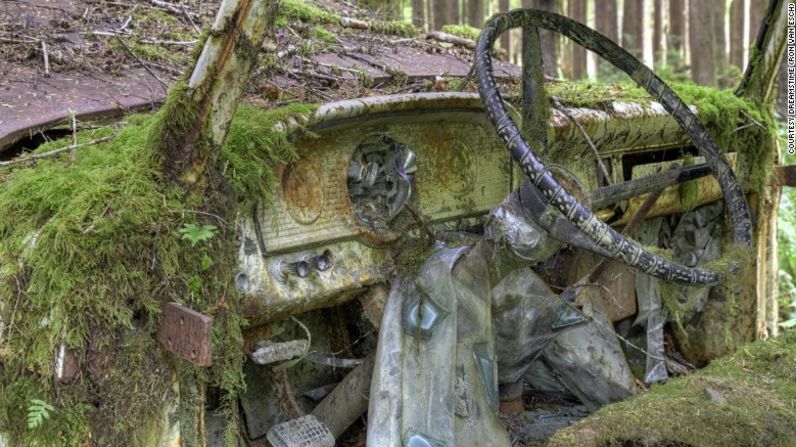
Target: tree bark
x,y
475,13
737,37
505,38
550,40
757,9
418,13
633,27
577,11
454,13
708,58
439,13
198,117
657,33
606,21
676,35
717,22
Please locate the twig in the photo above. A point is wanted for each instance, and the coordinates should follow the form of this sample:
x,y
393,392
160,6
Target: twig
x,y
46,59
14,311
754,121
126,24
74,134
203,213
168,42
439,36
557,104
420,221
190,20
146,67
52,152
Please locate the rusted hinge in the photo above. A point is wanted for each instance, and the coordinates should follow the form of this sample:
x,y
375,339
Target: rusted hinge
x,y
787,174
187,333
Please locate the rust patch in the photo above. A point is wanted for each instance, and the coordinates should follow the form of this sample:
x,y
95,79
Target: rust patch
x,y
187,333
303,190
451,161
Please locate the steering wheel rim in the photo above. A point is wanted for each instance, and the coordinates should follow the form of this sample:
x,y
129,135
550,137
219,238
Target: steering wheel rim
x,y
619,247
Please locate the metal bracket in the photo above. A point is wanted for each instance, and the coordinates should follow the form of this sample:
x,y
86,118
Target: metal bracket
x,y
187,333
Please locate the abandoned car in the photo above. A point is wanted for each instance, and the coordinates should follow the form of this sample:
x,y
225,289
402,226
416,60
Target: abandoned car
x,y
395,269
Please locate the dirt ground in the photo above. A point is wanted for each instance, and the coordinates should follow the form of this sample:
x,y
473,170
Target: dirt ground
x,y
103,58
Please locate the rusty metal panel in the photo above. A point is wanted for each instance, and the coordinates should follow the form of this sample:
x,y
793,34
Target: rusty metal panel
x,y
187,333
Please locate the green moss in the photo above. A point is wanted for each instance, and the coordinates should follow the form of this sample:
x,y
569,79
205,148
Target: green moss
x,y
297,9
149,52
394,27
757,405
154,15
253,146
323,34
89,253
688,191
307,13
596,95
463,31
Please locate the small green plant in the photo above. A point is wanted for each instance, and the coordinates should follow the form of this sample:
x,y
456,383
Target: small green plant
x,y
38,411
195,234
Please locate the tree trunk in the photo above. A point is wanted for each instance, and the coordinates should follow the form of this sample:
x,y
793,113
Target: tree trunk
x,y
505,38
782,88
606,21
200,113
676,35
657,33
550,40
454,13
633,27
577,11
418,13
475,13
389,9
707,41
736,33
757,9
439,13
717,22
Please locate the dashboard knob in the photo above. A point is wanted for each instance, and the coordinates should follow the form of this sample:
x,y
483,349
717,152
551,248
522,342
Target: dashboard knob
x,y
322,262
298,268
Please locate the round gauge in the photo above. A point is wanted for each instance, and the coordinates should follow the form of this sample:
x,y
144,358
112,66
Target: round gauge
x,y
380,181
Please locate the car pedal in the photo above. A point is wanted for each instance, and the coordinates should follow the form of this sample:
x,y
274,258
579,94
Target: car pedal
x,y
306,431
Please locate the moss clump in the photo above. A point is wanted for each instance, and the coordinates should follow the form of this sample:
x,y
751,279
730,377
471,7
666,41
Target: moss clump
x,y
323,34
307,13
89,253
297,9
149,52
394,27
463,31
596,95
748,398
154,15
688,191
253,146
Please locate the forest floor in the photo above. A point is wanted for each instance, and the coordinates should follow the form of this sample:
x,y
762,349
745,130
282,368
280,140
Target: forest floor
x,y
103,58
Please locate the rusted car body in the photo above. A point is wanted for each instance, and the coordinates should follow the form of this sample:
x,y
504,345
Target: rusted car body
x,y
383,182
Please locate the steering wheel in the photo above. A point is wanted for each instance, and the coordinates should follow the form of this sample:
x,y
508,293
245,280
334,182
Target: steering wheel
x,y
616,246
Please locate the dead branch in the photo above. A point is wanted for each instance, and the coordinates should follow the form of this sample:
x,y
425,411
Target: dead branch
x,y
439,36
557,104
146,67
52,153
